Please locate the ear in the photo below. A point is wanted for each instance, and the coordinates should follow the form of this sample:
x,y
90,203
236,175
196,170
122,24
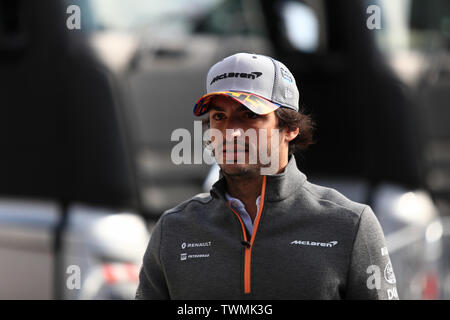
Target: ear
x,y
291,135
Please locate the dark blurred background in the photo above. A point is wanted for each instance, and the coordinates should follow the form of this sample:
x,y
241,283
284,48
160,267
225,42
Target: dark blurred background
x,y
87,115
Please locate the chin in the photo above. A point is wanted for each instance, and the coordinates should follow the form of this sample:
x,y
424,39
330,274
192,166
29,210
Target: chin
x,y
239,169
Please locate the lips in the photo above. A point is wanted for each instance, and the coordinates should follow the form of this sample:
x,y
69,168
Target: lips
x,y
234,153
235,150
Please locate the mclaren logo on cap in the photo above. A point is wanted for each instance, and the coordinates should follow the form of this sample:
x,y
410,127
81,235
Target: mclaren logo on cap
x,y
252,76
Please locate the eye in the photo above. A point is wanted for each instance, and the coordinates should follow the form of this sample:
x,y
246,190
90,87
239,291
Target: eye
x,y
252,115
218,116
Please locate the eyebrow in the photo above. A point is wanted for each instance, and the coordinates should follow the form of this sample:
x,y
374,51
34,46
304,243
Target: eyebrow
x,y
214,107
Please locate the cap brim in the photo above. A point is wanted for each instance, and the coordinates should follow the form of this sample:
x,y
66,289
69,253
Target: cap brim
x,y
255,103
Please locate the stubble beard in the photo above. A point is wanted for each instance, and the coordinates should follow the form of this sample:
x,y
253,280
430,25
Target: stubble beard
x,y
246,171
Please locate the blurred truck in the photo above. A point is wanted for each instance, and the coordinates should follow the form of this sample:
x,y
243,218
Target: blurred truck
x,y
69,222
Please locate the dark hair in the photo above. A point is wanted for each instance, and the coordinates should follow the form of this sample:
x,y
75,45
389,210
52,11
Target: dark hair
x,y
291,120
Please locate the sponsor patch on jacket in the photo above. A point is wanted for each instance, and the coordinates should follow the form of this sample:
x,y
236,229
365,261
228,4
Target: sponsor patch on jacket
x,y
329,244
185,245
389,273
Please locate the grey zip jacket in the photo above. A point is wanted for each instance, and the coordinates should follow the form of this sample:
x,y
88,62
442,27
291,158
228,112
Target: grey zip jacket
x,y
308,242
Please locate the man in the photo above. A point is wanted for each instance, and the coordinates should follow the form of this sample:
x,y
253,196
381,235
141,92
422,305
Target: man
x,y
263,235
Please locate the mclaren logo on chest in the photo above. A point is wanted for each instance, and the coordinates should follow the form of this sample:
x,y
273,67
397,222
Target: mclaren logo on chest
x,y
314,243
252,76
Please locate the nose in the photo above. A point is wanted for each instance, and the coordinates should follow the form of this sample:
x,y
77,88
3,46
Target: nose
x,y
233,133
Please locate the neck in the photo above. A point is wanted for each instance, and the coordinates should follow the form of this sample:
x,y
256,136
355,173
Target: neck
x,y
244,187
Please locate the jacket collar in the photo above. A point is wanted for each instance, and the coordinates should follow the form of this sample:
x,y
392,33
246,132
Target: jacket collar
x,y
278,186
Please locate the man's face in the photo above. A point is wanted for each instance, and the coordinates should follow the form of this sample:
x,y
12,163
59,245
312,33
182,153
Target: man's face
x,y
238,126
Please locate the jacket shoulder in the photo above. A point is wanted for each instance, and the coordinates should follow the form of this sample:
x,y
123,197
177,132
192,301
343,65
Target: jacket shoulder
x,y
198,199
329,197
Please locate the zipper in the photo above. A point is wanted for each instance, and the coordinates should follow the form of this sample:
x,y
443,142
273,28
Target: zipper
x,y
249,245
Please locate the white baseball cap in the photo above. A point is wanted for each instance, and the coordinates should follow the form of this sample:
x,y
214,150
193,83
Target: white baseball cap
x,y
259,82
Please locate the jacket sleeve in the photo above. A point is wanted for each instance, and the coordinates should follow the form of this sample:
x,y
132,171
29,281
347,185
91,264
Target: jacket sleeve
x,y
370,276
152,282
